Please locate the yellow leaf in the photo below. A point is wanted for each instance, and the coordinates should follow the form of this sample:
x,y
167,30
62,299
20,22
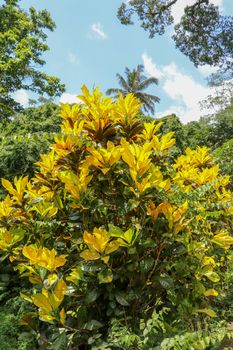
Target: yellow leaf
x,y
208,260
90,255
74,276
98,240
177,214
8,186
46,317
52,278
223,239
105,259
112,247
35,279
42,301
60,289
211,293
31,252
150,130
62,315
44,257
53,301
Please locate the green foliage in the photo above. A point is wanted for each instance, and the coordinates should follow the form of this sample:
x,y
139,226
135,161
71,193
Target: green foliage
x,y
156,334
25,137
222,126
212,131
198,133
12,335
203,34
173,123
23,41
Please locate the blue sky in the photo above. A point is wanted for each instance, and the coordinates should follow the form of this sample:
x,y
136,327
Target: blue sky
x,y
89,46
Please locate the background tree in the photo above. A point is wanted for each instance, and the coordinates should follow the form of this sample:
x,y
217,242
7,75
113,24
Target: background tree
x,y
197,133
136,83
222,95
171,123
212,131
22,42
25,137
203,34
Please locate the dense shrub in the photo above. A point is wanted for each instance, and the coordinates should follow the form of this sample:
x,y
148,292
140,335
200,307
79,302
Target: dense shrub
x,y
12,335
111,229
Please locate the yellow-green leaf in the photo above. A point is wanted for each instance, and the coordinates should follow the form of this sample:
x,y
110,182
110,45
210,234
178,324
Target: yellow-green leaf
x,y
208,312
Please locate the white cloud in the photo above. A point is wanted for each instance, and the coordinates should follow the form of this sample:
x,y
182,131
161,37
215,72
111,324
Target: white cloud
x,y
72,58
150,67
69,98
22,97
171,110
97,30
179,6
207,70
180,87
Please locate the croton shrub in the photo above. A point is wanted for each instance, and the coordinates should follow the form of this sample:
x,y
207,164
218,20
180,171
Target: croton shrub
x,y
111,226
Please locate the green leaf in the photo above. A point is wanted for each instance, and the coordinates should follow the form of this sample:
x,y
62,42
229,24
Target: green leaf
x,y
149,243
212,276
128,235
91,296
105,276
146,264
82,315
166,282
60,343
121,300
93,324
115,231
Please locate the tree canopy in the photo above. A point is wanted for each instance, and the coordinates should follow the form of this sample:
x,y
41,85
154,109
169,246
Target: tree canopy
x,y
203,34
212,130
23,41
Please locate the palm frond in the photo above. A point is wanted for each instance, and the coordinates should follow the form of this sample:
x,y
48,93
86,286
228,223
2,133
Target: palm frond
x,y
146,83
135,82
122,82
153,98
114,92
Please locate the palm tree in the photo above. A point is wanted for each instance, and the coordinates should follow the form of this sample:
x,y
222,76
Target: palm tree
x,y
136,83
